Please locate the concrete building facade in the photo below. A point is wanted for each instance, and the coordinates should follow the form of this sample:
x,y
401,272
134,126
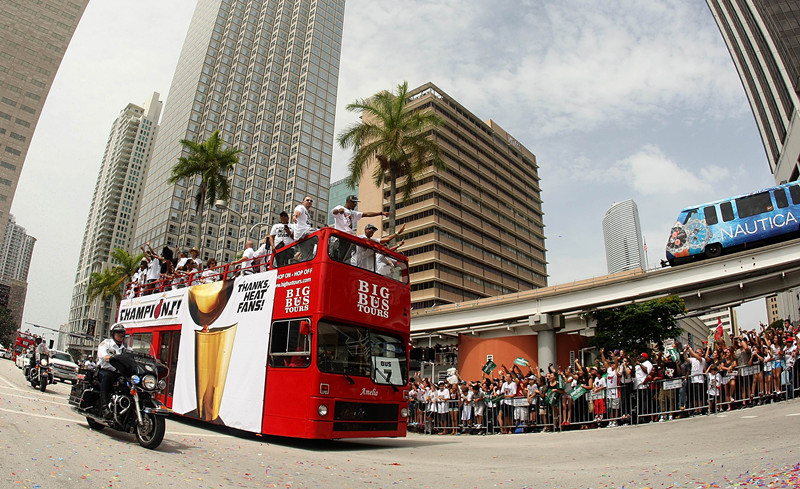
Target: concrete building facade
x,y
622,234
763,38
474,230
33,39
264,73
112,213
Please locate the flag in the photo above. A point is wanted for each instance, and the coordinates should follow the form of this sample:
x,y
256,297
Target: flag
x,y
487,369
521,362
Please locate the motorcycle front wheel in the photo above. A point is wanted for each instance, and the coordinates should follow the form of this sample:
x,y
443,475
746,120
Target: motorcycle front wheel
x,y
151,431
43,384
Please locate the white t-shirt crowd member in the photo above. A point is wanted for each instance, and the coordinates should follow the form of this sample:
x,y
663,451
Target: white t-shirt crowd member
x,y
302,227
345,220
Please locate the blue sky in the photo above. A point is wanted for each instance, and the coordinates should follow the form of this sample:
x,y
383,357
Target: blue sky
x,y
617,99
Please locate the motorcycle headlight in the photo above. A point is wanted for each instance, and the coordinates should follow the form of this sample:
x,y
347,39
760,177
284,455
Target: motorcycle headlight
x,y
149,382
43,362
135,379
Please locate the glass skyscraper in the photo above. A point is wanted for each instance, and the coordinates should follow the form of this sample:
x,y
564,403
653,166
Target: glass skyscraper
x,y
264,73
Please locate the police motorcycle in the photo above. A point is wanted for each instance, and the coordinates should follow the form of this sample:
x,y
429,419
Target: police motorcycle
x,y
132,407
40,374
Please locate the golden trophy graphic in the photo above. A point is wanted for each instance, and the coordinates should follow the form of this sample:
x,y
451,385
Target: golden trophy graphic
x,y
213,347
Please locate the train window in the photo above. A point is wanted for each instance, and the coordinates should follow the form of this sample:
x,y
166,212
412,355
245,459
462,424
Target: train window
x,y
691,214
780,198
710,214
754,204
794,191
726,209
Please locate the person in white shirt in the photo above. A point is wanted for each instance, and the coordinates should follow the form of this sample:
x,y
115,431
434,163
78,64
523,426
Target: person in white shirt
x,y
644,397
153,268
696,381
108,348
383,263
196,256
247,258
442,397
345,218
302,219
209,274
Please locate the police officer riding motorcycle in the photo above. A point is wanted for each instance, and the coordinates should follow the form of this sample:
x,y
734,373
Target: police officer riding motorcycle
x,y
119,392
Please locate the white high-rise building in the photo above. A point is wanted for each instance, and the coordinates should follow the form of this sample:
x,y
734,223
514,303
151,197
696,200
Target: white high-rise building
x,y
115,203
16,251
264,73
622,234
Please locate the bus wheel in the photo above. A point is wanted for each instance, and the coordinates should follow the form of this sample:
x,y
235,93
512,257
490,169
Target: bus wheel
x,y
713,250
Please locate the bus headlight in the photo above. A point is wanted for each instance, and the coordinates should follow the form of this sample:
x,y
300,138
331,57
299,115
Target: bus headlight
x,y
149,382
322,410
403,412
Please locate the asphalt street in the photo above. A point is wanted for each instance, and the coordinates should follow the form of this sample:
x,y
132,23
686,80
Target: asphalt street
x,y
46,445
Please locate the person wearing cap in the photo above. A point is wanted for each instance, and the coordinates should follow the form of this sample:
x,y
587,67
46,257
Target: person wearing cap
x,y
644,397
196,257
345,218
442,397
280,236
790,355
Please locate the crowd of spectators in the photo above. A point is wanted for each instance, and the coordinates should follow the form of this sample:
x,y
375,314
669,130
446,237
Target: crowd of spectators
x,y
670,381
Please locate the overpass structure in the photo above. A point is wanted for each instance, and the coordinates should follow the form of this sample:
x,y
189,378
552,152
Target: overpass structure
x,y
704,285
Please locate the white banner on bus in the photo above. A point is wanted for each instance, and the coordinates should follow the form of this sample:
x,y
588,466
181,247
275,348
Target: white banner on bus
x,y
221,370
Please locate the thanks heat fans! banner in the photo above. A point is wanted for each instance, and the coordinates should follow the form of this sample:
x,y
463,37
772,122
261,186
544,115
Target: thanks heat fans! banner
x,y
222,359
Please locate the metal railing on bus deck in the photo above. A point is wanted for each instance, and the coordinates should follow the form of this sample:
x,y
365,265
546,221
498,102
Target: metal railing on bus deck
x,y
180,279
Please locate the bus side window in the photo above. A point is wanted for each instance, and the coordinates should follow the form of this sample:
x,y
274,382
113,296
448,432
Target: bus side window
x,y
794,191
710,215
287,347
780,198
726,209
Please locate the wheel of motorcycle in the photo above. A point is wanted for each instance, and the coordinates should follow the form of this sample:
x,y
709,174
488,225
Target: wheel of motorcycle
x,y
94,424
43,385
151,431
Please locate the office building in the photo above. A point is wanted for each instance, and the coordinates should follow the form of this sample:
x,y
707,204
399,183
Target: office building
x,y
622,235
772,309
475,229
264,73
33,39
726,316
15,261
115,203
763,37
16,251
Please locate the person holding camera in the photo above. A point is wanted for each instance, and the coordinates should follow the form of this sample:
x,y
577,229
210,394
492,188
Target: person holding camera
x,y
280,236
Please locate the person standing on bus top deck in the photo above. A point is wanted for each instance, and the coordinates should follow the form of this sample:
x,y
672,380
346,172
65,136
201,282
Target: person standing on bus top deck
x,y
383,263
196,256
108,374
153,266
280,236
302,219
369,234
345,218
247,258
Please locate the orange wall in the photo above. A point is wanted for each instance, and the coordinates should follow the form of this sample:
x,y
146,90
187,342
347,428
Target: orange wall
x,y
472,351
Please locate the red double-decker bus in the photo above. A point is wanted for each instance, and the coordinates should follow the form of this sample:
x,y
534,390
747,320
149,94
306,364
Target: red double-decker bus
x,y
315,346
22,343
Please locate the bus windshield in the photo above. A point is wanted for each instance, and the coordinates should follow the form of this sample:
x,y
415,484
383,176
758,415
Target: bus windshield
x,y
350,350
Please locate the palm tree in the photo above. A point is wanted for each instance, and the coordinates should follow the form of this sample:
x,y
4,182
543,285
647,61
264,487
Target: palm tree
x,y
396,137
211,162
110,281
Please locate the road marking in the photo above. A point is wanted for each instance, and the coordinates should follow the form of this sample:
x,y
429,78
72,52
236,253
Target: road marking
x,y
71,420
793,414
79,420
38,399
749,417
9,383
